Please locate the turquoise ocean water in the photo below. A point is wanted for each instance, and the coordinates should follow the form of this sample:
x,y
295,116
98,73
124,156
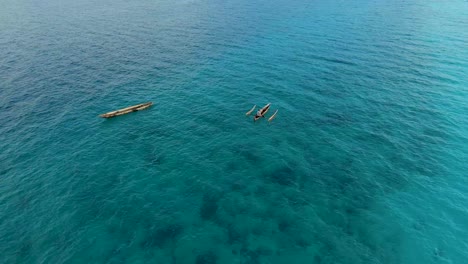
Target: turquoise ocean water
x,y
366,161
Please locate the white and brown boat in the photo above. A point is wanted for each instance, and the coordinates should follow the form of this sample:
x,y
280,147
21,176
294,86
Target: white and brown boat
x,y
127,110
262,112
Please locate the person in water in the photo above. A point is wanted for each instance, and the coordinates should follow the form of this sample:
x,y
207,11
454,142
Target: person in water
x,y
262,112
258,115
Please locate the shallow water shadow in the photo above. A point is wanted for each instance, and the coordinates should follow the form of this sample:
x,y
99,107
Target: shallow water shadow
x,y
285,176
210,206
232,166
247,152
207,258
162,236
235,236
155,159
253,256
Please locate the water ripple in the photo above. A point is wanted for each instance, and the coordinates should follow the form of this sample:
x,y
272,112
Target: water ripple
x,y
369,141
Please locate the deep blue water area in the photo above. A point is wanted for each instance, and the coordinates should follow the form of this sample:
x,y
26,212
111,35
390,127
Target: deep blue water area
x,y
365,162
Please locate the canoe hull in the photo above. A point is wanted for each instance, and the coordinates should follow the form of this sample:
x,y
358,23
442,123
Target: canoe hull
x,y
262,112
127,110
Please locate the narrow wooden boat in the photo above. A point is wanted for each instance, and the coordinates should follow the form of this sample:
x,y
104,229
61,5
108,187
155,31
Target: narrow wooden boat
x,y
262,112
127,110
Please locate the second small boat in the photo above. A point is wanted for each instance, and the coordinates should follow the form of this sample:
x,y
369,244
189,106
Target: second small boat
x,y
262,112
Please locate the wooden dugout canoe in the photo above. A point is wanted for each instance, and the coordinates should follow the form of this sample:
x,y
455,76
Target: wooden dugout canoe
x,y
262,112
127,110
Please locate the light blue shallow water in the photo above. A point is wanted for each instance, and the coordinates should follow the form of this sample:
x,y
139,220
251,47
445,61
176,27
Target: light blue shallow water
x,y
366,161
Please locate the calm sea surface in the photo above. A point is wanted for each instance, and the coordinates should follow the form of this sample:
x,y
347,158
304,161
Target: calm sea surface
x,y
366,161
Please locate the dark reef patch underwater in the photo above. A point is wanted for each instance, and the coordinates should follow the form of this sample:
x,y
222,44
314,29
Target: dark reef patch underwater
x,y
365,162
